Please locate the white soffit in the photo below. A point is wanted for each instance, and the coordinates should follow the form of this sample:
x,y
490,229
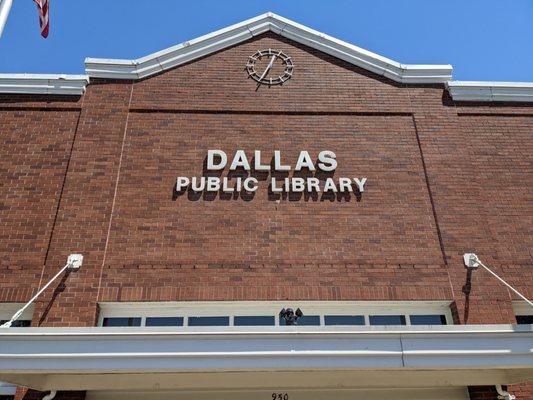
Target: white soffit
x,y
232,35
43,84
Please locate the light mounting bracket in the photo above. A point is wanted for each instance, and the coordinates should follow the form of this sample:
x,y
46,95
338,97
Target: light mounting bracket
x,y
75,261
471,260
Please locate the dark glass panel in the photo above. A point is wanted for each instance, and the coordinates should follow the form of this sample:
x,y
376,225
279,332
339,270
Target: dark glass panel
x,y
344,320
208,321
253,320
428,319
122,321
20,323
164,321
524,319
305,320
387,320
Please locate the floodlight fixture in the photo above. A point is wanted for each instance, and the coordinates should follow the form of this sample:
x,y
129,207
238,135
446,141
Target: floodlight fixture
x,y
290,316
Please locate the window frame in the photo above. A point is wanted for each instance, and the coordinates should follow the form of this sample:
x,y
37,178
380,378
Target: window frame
x,y
272,308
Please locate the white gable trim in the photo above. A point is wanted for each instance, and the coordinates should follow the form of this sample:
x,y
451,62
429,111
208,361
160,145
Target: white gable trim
x,y
207,44
193,49
43,83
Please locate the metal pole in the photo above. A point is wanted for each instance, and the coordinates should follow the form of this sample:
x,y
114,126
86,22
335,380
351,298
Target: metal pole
x,y
74,261
19,312
472,261
5,7
506,284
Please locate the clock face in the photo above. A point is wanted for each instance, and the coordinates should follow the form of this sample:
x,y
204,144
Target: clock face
x,y
269,67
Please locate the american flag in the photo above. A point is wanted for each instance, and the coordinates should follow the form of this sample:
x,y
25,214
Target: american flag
x,y
44,20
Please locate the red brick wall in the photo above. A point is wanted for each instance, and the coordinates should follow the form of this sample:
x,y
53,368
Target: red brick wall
x,y
390,224
35,152
95,175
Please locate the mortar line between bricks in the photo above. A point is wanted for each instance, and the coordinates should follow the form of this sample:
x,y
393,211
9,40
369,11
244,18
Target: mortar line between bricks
x,y
267,112
61,193
114,195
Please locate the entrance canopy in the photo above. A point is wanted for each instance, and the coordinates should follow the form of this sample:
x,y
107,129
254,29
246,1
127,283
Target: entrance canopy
x,y
264,358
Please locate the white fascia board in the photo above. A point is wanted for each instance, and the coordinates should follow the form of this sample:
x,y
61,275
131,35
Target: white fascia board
x,y
491,91
210,43
43,84
165,350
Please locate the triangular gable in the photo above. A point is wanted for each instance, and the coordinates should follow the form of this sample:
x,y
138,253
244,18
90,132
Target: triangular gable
x,y
230,36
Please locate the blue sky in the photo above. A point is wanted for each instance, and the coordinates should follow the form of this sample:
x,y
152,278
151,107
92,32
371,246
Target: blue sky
x,y
482,39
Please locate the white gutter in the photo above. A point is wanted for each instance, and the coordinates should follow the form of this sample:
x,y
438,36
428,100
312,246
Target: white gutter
x,y
491,91
50,358
43,84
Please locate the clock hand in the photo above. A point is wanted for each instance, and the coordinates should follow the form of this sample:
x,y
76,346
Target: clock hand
x,y
269,66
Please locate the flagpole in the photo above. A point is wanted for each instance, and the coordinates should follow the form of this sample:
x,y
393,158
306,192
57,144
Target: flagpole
x,y
5,6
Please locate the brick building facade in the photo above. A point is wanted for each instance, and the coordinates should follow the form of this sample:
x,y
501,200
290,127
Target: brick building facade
x,y
95,173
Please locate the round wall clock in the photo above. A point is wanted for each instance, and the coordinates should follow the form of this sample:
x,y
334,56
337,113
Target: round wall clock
x,y
269,67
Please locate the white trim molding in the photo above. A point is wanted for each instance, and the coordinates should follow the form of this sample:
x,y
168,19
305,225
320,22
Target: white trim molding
x,y
43,84
307,357
491,91
232,35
